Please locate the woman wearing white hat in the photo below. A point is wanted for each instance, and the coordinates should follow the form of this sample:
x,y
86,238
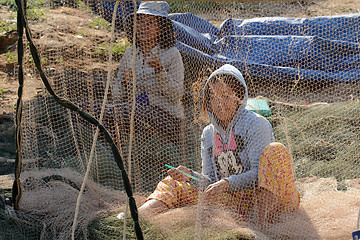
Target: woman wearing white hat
x,y
159,70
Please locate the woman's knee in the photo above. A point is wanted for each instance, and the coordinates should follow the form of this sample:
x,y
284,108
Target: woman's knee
x,y
276,151
276,146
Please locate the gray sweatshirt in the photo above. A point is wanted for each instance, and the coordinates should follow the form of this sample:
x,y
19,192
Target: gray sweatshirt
x,y
233,153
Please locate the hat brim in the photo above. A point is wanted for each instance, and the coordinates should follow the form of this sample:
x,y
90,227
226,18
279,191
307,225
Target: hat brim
x,y
150,12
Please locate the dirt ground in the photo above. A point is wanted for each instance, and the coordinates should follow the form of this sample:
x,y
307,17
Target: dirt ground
x,y
66,32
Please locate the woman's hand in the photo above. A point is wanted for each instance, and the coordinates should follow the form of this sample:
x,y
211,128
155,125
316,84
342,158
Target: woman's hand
x,y
127,76
215,190
179,176
155,63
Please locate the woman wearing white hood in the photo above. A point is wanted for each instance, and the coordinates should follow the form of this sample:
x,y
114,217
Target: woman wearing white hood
x,y
241,164
159,71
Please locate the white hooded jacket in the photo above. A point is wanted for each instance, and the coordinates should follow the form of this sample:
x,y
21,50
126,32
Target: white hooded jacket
x,y
233,153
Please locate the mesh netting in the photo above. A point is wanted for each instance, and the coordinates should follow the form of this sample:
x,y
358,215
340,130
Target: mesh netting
x,y
239,120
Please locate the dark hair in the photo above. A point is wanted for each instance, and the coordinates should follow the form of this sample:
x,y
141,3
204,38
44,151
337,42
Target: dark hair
x,y
230,80
166,37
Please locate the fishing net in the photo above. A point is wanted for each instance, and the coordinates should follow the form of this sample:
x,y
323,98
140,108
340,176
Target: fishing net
x,y
145,88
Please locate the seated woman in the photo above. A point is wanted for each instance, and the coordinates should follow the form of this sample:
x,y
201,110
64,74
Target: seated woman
x,y
241,164
158,70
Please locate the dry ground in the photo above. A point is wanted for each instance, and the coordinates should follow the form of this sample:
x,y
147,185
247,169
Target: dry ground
x,y
65,39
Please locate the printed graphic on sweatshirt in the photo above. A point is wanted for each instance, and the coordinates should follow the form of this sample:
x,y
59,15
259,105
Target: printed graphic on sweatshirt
x,y
226,155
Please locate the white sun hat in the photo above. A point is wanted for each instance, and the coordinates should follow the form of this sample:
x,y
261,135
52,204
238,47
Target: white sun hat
x,y
159,8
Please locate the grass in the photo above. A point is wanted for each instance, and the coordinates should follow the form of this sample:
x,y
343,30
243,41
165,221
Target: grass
x,y
83,6
7,27
61,60
35,9
10,57
100,23
83,33
324,140
9,3
118,48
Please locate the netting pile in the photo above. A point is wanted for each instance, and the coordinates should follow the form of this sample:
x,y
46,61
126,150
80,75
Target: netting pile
x,y
143,75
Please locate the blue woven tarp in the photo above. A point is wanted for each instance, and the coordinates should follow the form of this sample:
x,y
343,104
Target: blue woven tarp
x,y
313,49
318,49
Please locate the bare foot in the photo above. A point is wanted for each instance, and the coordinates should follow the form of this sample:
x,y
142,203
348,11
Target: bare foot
x,y
269,206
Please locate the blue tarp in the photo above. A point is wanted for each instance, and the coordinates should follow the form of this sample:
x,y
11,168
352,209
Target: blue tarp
x,y
318,49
